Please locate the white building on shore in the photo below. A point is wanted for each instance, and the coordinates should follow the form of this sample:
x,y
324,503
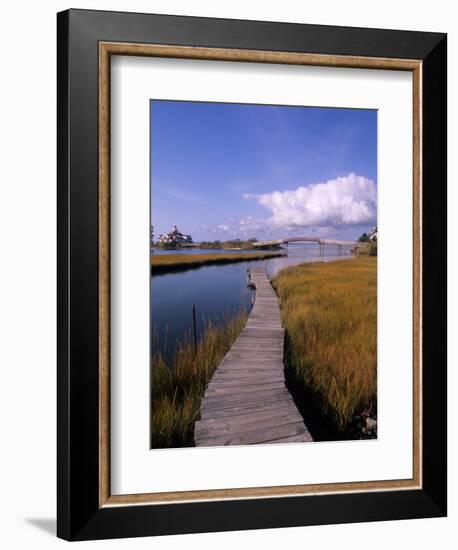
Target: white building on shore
x,y
175,238
373,234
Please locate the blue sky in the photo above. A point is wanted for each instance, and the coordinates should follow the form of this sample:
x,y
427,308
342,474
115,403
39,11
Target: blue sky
x,y
222,171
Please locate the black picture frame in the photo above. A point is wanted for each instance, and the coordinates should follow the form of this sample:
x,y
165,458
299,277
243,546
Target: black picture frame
x,y
79,515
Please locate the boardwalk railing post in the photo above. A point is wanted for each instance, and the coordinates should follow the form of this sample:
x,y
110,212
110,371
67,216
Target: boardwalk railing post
x,y
194,327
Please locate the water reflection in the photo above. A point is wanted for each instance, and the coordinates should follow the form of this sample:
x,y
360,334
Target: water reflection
x,y
217,291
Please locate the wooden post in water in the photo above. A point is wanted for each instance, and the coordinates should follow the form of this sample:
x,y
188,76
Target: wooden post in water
x,y
194,327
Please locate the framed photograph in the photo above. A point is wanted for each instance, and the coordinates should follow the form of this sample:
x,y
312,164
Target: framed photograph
x,y
251,274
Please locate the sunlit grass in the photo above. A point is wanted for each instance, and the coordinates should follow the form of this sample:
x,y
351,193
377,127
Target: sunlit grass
x,y
329,311
177,388
174,262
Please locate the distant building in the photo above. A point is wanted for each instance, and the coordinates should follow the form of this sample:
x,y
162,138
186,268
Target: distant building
x,y
373,234
175,238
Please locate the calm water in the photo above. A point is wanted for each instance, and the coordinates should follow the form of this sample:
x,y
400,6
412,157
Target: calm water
x,y
216,291
200,251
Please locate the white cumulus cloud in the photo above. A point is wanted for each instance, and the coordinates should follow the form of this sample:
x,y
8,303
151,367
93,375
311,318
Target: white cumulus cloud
x,y
348,200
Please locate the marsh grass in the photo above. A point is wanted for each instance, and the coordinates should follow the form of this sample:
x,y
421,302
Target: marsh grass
x,y
329,311
177,388
161,263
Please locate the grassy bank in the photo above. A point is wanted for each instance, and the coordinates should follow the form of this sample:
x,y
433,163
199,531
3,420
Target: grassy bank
x,y
177,388
366,249
244,245
329,312
175,262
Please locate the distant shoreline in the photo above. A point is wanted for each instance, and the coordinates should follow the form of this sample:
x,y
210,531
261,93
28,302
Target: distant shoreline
x,y
163,263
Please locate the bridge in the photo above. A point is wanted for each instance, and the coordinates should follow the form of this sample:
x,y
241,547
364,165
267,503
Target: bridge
x,y
321,241
247,401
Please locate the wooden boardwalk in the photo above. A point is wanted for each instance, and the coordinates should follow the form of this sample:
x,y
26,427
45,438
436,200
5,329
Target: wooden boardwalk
x,y
246,400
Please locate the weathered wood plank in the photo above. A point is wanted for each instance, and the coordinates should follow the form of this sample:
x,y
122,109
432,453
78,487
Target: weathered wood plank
x,y
216,390
254,369
246,401
251,411
263,435
236,405
272,406
294,438
255,350
236,398
253,363
244,383
229,427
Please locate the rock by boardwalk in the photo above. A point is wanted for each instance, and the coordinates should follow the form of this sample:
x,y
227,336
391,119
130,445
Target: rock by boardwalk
x,y
247,401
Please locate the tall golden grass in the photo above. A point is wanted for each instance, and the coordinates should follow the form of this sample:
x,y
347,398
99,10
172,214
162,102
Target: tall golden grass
x,y
329,311
177,388
174,262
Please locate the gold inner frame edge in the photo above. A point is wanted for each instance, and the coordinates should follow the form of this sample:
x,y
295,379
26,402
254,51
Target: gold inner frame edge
x,y
106,50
